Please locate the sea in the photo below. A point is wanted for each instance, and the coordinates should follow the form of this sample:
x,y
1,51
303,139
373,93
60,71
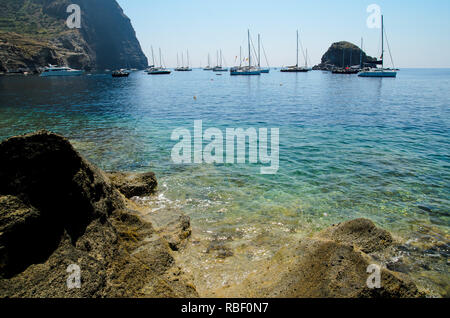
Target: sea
x,y
349,147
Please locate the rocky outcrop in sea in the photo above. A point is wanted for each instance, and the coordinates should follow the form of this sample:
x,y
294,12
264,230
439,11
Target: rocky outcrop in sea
x,y
33,34
343,54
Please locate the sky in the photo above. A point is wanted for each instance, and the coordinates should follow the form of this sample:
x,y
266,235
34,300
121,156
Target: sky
x,y
418,31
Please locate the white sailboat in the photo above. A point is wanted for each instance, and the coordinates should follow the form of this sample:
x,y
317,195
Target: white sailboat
x,y
219,67
208,68
263,70
158,70
296,68
184,68
247,70
379,72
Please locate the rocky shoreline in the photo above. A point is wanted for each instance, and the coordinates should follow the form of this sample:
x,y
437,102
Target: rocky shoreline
x,y
57,209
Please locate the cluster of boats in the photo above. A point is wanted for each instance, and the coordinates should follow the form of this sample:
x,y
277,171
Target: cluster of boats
x,y
247,69
368,71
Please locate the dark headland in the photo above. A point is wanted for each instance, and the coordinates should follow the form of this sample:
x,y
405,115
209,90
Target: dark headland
x,y
57,209
34,34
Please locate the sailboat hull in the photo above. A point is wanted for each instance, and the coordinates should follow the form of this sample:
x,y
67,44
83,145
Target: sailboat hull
x,y
159,72
378,74
295,70
265,71
245,73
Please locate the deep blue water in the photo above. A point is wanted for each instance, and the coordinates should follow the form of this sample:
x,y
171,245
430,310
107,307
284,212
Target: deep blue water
x,y
349,147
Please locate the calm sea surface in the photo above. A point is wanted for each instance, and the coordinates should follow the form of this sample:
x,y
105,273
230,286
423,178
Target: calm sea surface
x,y
349,147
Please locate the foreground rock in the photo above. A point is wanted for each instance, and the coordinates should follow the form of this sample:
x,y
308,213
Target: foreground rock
x,y
56,209
333,263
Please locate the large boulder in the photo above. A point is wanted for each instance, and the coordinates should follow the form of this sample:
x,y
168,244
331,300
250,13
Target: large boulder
x,y
58,210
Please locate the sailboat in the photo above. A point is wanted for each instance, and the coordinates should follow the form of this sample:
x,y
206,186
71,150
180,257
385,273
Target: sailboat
x,y
247,70
219,67
158,70
208,68
183,68
296,68
263,70
379,72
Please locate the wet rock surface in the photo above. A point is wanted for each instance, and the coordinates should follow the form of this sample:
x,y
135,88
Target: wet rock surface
x,y
134,184
332,263
56,209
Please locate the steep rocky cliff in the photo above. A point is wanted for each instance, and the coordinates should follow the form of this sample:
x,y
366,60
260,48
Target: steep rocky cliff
x,y
343,54
33,33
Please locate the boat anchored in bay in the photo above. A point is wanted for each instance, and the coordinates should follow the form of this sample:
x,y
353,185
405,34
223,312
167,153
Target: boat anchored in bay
x,y
158,70
296,68
246,70
379,72
53,70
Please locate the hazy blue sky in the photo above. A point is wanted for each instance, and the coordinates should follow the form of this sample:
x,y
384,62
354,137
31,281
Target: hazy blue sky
x,y
418,31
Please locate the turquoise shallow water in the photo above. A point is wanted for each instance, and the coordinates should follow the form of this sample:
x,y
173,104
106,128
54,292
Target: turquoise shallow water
x,y
349,147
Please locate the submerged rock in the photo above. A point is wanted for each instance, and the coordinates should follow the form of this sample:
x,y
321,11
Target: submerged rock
x,y
330,264
56,209
361,233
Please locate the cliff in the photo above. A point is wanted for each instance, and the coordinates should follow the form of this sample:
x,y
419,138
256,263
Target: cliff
x,y
33,33
343,54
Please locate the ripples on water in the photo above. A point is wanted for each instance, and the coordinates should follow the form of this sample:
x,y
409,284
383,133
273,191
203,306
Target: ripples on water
x,y
349,147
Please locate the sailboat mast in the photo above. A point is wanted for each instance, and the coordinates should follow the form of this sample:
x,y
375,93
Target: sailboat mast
x,y
249,51
361,55
306,59
160,57
382,41
240,56
351,57
153,57
259,50
297,50
187,52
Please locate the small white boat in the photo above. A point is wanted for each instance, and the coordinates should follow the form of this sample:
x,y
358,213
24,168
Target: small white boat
x,y
52,70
